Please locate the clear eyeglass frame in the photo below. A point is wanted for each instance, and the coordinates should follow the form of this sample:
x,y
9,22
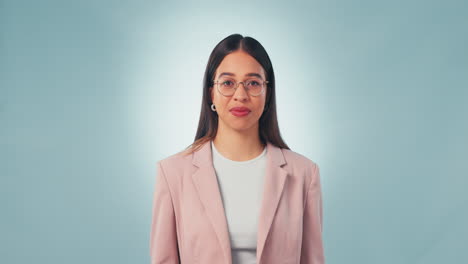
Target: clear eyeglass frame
x,y
237,86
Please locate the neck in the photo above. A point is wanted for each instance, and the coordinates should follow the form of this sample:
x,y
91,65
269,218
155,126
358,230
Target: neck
x,y
238,145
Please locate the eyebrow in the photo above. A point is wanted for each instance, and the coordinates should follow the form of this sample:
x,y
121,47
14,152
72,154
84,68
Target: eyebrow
x,y
248,74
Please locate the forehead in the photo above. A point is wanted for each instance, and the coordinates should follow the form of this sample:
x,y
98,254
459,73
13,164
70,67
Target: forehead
x,y
240,63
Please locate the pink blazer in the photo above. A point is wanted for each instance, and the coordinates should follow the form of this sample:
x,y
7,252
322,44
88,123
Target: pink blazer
x,y
189,224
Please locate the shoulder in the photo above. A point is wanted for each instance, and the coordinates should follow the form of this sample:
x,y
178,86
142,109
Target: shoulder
x,y
300,166
298,160
177,160
176,167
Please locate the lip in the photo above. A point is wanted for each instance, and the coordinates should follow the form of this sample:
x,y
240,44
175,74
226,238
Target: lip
x,y
240,109
240,113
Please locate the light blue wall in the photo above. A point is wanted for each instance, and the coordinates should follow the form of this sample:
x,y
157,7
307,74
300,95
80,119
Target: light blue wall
x,y
93,93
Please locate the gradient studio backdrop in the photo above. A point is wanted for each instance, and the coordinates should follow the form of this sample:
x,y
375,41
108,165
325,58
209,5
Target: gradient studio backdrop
x,y
94,93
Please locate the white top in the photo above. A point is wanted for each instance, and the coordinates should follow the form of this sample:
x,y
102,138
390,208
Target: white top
x,y
241,186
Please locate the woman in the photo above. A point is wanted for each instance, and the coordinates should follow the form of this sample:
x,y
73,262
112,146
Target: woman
x,y
238,194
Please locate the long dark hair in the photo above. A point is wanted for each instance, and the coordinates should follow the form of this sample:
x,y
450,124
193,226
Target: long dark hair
x,y
208,122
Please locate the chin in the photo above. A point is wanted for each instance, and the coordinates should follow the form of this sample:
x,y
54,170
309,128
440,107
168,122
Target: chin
x,y
242,127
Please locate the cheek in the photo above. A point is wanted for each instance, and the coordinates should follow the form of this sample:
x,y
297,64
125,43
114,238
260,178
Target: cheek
x,y
261,104
222,104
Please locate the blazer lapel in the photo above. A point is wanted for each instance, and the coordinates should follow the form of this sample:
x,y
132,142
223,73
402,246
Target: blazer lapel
x,y
275,176
206,183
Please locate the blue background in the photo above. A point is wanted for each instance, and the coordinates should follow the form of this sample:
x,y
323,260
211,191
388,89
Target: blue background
x,y
94,93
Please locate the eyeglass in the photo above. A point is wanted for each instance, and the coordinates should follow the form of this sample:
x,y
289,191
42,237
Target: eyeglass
x,y
228,86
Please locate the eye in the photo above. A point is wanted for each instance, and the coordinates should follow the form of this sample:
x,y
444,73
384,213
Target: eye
x,y
254,83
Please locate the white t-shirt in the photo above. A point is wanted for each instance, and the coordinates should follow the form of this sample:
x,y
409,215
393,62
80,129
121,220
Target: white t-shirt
x,y
241,187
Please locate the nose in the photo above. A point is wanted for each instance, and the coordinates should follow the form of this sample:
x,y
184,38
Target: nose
x,y
241,94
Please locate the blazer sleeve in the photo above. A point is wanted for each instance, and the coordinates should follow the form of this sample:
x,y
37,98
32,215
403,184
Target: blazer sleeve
x,y
163,236
312,251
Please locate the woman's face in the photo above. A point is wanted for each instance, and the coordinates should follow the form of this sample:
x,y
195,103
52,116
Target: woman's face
x,y
238,65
